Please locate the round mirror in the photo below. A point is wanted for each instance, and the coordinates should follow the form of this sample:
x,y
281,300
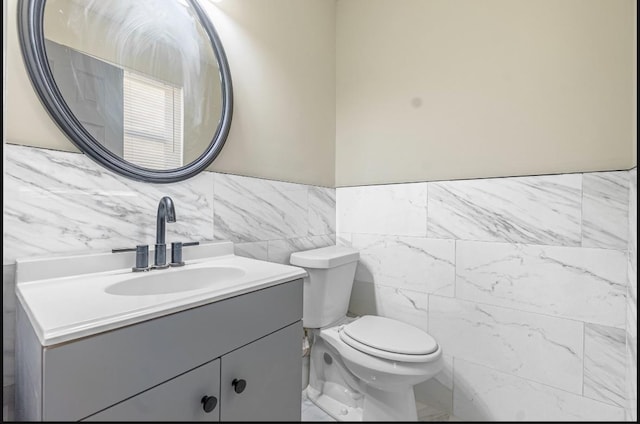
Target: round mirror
x,y
143,87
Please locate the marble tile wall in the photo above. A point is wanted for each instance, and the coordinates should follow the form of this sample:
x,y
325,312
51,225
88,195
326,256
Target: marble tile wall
x,y
523,281
631,357
60,203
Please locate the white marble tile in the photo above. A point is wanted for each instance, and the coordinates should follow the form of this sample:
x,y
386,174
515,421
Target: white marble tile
x,y
538,210
604,364
403,305
280,251
343,239
396,209
631,409
483,394
252,209
322,210
605,203
541,348
255,250
579,283
631,382
414,263
59,202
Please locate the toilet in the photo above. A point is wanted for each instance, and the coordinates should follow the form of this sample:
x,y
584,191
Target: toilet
x,y
361,368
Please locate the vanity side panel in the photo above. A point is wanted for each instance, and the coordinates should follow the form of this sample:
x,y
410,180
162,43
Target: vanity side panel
x,y
28,370
91,374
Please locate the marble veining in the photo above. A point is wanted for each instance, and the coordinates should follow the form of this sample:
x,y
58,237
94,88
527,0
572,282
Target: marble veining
x,y
254,250
322,211
605,204
403,305
414,263
579,283
344,239
75,205
604,364
250,209
397,209
280,251
483,394
544,349
536,210
631,410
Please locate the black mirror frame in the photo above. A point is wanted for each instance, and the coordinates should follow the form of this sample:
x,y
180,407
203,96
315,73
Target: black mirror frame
x,y
31,33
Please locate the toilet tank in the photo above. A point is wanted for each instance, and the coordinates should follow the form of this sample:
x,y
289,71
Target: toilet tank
x,y
327,288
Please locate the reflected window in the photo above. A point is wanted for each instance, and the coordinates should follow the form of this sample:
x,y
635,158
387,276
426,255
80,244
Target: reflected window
x,y
153,122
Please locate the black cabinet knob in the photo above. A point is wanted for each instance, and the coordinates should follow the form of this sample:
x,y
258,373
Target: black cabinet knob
x,y
209,403
239,385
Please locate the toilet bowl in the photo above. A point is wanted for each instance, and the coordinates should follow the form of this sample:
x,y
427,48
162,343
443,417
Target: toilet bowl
x,y
361,368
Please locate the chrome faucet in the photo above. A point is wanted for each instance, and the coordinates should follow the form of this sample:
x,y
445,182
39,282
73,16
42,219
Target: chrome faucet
x,y
166,213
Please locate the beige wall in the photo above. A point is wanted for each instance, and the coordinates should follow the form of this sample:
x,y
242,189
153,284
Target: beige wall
x,y
635,84
27,122
451,89
282,59
426,89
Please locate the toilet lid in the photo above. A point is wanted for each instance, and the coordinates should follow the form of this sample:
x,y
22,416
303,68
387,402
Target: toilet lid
x,y
387,335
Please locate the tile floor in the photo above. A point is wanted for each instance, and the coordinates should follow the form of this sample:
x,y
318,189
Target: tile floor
x,y
310,412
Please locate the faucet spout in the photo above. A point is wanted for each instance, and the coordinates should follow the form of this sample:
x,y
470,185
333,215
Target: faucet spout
x,y
166,213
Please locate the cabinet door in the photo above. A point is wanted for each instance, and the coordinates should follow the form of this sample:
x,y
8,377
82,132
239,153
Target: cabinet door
x,y
261,381
182,398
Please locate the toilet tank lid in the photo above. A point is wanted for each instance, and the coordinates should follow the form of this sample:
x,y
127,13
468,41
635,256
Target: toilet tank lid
x,y
324,257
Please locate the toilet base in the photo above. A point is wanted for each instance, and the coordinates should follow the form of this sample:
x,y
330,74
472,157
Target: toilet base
x,y
339,393
378,405
396,406
337,410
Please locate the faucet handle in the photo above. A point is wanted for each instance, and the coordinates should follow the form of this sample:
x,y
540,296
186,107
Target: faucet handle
x,y
176,253
142,258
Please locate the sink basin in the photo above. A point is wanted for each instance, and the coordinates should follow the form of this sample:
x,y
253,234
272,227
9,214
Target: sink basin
x,y
174,281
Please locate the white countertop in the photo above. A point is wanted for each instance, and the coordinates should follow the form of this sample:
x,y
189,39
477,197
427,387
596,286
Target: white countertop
x,y
73,306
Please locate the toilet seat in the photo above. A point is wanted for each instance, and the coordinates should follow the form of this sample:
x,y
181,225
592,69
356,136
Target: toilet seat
x,y
389,339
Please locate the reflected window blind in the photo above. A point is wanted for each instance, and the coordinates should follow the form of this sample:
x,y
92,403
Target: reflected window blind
x,y
152,122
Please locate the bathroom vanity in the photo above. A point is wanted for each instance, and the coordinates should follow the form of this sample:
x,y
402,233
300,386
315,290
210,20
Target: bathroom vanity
x,y
227,351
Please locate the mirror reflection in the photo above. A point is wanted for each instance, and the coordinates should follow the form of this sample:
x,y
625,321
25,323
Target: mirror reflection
x,y
141,76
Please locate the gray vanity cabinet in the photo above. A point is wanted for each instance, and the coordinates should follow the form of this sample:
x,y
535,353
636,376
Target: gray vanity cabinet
x,y
179,399
244,351
258,382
